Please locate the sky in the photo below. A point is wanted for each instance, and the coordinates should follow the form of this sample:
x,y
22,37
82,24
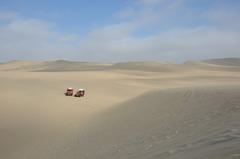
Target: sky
x,y
119,30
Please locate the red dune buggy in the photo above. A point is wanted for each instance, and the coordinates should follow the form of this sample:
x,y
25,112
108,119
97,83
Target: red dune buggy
x,y
69,92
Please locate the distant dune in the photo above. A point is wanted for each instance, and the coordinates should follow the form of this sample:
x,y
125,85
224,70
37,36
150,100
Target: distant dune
x,y
229,64
153,66
224,61
53,66
18,65
62,65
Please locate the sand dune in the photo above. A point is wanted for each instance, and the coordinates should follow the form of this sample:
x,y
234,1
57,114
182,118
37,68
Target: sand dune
x,y
52,66
215,64
228,64
62,65
174,123
131,110
224,61
152,66
18,65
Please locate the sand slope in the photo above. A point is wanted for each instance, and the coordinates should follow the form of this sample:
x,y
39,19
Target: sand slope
x,y
175,123
131,110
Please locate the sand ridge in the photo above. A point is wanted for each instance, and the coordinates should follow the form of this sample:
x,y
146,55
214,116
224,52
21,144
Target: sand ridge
x,y
228,64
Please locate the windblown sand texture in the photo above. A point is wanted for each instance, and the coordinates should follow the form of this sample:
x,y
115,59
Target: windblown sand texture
x,y
132,110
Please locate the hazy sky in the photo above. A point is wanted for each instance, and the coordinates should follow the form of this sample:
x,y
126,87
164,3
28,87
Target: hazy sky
x,y
119,30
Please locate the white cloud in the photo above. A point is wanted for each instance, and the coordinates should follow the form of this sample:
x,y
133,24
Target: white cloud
x,y
170,39
33,39
116,31
175,43
197,43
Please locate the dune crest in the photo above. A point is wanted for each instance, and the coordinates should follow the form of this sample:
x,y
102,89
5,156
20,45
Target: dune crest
x,y
228,64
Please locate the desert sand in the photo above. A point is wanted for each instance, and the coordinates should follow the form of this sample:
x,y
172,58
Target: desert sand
x,y
132,110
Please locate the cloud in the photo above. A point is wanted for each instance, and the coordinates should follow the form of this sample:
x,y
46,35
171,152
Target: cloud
x,y
151,12
147,30
178,45
175,35
151,2
8,15
33,39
